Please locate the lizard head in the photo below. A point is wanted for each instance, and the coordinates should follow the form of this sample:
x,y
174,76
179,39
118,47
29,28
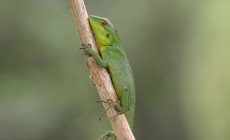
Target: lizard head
x,y
103,30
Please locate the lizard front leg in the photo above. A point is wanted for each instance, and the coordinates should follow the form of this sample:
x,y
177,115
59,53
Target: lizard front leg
x,y
103,62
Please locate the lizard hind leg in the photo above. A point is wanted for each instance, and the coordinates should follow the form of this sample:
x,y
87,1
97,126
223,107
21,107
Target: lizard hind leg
x,y
111,104
105,111
125,101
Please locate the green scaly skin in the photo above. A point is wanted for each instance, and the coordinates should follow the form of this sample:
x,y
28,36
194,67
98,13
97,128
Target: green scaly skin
x,y
112,57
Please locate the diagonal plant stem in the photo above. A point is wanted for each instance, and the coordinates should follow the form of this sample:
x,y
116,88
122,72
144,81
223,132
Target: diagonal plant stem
x,y
99,75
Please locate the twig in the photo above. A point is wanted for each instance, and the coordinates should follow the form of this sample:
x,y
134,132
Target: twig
x,y
99,75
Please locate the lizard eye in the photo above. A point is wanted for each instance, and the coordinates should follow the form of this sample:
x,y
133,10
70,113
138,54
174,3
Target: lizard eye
x,y
103,23
108,35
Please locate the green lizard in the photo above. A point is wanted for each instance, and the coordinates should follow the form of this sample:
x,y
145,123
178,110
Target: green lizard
x,y
113,57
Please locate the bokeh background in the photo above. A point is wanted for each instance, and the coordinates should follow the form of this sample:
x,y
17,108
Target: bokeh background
x,y
179,52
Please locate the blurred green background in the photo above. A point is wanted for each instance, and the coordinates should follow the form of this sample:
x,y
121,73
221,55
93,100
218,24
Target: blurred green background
x,y
179,52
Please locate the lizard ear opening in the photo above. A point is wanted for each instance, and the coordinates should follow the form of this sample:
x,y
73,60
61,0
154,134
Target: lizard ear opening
x,y
108,35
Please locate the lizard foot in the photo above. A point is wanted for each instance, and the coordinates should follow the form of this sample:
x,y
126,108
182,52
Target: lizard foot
x,y
85,48
108,135
111,104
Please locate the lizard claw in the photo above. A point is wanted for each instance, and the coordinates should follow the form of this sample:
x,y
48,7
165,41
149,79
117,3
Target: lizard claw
x,y
84,48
